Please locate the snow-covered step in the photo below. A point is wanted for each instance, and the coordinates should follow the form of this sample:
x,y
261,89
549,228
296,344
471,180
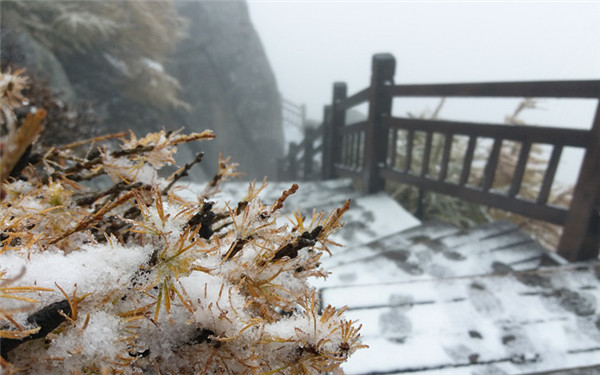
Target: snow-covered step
x,y
517,323
421,235
371,217
436,250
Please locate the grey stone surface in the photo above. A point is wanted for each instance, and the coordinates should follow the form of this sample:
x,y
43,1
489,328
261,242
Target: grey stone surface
x,y
228,80
22,50
225,77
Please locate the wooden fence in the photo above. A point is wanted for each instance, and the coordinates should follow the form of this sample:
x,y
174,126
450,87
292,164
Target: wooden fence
x,y
367,151
304,161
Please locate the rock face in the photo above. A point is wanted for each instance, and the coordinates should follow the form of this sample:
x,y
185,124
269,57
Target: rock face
x,y
221,66
226,76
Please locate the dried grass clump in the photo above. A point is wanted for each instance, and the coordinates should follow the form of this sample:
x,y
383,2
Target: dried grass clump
x,y
136,279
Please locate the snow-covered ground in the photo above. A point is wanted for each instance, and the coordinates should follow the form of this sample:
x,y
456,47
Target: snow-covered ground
x,y
454,318
459,322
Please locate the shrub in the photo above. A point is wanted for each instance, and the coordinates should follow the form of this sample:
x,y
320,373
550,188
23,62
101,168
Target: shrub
x,y
136,279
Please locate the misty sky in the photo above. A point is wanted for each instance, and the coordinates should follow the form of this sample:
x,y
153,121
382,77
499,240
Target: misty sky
x,y
311,44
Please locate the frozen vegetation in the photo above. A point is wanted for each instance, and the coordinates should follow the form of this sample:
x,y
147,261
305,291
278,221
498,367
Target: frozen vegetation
x,y
137,279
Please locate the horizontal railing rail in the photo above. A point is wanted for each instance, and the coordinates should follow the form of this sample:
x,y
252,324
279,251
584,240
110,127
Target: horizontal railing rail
x,y
535,89
384,148
355,100
531,133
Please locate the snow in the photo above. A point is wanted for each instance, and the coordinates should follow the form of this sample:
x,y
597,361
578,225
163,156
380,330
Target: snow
x,y
442,322
190,284
110,265
436,322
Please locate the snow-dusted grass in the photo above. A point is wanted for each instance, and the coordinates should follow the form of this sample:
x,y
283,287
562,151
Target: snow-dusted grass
x,y
138,279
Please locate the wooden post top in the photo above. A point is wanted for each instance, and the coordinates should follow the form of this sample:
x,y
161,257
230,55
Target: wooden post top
x,y
383,67
340,91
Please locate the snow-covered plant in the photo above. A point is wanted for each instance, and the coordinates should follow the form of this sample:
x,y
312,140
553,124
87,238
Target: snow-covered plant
x,y
136,279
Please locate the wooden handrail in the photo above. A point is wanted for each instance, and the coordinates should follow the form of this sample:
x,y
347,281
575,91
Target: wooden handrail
x,y
551,214
538,134
533,89
356,99
367,150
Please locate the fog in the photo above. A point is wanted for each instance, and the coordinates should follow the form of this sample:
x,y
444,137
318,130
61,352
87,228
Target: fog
x,y
311,44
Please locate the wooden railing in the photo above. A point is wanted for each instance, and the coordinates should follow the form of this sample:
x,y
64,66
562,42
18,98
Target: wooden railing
x,y
368,151
303,160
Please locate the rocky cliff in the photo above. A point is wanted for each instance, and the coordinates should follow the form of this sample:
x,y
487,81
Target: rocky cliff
x,y
219,63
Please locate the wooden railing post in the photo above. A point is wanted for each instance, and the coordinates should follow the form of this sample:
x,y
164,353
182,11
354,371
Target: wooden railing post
x,y
380,106
327,160
307,158
292,164
579,240
338,121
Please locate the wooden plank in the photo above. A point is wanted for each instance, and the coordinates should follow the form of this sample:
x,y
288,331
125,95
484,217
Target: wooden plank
x,y
468,160
361,151
549,175
446,156
356,99
360,141
376,133
357,127
491,166
307,158
531,209
426,154
392,148
533,134
327,157
519,172
354,141
410,139
535,89
292,164
338,120
579,228
345,160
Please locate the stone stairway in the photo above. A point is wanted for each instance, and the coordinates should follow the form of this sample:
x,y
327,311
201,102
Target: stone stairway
x,y
435,299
